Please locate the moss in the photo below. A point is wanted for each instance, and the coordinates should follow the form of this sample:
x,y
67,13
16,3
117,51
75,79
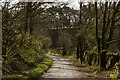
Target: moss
x,y
41,68
14,77
95,68
114,76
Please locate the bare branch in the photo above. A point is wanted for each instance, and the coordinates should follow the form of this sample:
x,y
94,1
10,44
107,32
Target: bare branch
x,y
112,41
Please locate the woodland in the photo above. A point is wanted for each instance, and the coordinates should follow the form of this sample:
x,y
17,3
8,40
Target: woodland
x,y
31,29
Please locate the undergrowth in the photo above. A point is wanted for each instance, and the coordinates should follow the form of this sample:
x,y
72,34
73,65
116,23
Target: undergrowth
x,y
32,74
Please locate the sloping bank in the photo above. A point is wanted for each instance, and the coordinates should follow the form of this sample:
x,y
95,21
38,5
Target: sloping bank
x,y
33,74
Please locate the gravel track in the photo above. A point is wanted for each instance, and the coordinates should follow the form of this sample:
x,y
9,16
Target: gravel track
x,y
62,68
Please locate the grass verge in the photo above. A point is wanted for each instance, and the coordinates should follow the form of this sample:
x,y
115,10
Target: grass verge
x,y
33,74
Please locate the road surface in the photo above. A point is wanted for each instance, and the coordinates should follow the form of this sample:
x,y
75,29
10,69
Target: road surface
x,y
62,68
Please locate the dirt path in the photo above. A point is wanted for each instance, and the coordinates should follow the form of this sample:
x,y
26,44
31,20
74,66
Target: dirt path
x,y
62,68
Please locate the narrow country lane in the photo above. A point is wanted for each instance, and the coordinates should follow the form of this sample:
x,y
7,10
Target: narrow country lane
x,y
62,68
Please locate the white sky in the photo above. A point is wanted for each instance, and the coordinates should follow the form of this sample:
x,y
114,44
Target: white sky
x,y
73,3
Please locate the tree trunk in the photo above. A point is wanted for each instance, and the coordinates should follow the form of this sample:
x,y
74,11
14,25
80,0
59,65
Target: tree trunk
x,y
64,51
103,53
78,48
81,52
97,37
78,40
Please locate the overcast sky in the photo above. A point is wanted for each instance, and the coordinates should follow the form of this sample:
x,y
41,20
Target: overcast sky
x,y
73,3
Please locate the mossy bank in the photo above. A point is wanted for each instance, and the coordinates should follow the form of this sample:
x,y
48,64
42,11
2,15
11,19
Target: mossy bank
x,y
32,74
